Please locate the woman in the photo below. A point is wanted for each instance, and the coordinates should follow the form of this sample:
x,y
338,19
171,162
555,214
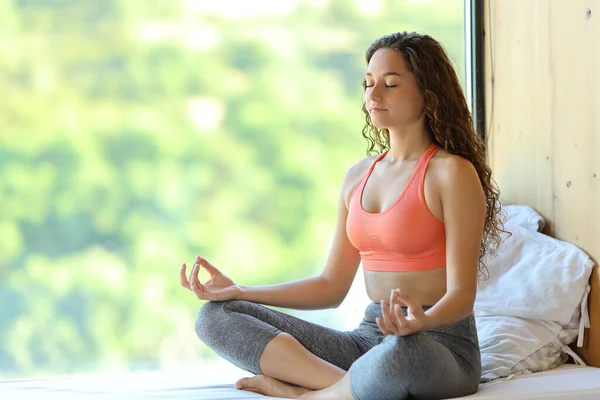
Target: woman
x,y
421,216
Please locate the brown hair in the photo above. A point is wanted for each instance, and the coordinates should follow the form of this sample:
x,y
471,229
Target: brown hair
x,y
447,118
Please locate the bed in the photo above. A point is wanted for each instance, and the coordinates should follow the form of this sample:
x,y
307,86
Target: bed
x,y
567,381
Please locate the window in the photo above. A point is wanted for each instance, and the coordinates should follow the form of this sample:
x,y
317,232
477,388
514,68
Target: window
x,y
135,135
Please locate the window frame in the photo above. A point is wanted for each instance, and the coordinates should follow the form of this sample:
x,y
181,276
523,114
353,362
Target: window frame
x,y
474,63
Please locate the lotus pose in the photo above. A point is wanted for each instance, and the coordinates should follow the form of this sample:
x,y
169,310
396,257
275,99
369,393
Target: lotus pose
x,y
421,214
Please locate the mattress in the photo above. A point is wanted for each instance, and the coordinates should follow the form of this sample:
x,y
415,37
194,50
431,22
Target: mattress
x,y
216,383
567,381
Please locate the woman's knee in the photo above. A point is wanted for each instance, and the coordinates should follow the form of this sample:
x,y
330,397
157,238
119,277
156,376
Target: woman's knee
x,y
409,364
212,318
401,354
388,369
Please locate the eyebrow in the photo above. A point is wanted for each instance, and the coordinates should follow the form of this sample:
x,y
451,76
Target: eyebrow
x,y
386,74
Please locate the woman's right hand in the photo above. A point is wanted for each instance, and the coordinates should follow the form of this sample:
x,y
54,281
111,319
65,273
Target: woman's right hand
x,y
218,288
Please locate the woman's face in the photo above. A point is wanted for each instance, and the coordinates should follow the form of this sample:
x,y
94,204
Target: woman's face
x,y
392,96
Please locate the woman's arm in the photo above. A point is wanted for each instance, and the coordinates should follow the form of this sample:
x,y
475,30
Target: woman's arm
x,y
464,207
329,289
305,294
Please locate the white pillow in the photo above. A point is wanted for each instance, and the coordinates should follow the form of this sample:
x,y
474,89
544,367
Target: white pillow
x,y
513,346
522,216
533,305
535,276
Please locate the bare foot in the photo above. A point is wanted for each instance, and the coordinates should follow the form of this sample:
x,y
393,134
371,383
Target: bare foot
x,y
268,386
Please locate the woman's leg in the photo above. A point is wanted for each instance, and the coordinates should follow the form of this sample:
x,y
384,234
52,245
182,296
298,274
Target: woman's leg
x,y
261,340
437,364
286,359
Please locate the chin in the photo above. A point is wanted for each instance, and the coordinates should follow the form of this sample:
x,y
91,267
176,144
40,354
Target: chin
x,y
380,124
383,121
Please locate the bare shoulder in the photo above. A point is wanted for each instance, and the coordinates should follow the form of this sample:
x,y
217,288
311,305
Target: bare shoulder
x,y
354,174
452,171
455,182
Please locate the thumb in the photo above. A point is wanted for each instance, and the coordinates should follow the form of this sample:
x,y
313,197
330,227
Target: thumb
x,y
212,270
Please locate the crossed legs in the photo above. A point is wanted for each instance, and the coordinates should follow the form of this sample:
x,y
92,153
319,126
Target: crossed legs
x,y
293,358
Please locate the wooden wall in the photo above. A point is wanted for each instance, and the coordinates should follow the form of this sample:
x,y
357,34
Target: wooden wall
x,y
542,62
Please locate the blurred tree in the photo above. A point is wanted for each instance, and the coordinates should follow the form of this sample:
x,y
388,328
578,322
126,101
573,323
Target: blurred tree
x,y
135,135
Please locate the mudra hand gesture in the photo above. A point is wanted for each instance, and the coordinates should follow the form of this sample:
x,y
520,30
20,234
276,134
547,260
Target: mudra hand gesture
x,y
394,322
218,288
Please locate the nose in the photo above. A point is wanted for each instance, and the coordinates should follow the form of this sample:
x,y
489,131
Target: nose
x,y
373,93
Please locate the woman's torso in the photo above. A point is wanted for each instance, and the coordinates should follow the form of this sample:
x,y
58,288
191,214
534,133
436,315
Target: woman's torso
x,y
382,189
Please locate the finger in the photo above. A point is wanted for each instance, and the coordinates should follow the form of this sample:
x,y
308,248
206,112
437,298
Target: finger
x,y
183,280
382,327
396,315
398,300
199,290
384,310
393,301
212,270
194,278
400,296
198,286
399,318
194,272
386,317
412,305
410,314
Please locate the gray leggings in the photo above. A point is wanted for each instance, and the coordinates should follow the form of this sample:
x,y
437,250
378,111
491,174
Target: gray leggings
x,y
437,364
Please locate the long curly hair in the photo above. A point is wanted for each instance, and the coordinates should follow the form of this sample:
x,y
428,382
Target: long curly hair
x,y
448,120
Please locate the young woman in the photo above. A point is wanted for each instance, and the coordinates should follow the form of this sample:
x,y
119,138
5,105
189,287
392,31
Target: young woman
x,y
421,216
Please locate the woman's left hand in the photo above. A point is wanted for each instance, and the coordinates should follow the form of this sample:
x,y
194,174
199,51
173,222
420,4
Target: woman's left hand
x,y
394,322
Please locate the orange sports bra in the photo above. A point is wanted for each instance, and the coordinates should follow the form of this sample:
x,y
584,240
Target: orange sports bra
x,y
406,236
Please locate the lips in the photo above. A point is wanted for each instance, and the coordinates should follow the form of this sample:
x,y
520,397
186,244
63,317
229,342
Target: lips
x,y
378,109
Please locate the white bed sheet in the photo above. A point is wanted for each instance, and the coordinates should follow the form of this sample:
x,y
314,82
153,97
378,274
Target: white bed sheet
x,y
568,382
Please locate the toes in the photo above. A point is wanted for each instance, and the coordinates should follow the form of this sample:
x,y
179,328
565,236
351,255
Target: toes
x,y
246,383
240,383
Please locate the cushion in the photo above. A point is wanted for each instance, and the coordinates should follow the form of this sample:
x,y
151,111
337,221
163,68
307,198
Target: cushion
x,y
513,345
534,303
522,216
535,276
